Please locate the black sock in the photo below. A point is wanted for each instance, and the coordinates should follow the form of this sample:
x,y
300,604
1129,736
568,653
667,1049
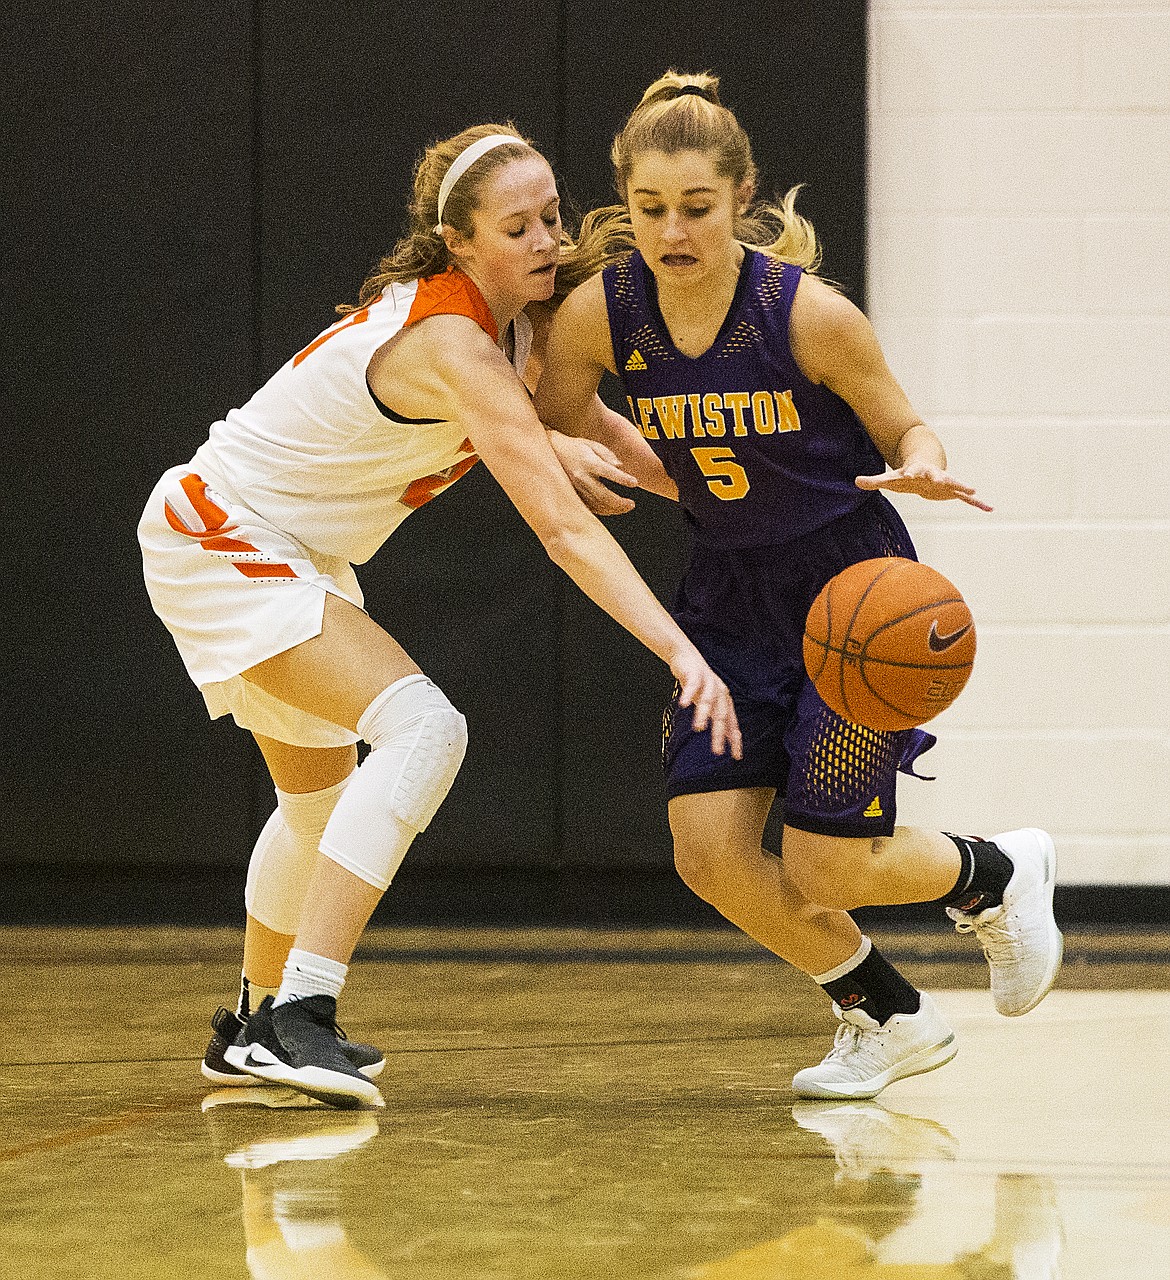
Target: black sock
x,y
983,875
875,987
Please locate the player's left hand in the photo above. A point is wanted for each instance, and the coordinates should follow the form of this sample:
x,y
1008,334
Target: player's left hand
x,y
714,707
926,481
588,464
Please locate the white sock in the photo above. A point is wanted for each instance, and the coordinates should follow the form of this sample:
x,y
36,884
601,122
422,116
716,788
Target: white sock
x,y
846,966
306,974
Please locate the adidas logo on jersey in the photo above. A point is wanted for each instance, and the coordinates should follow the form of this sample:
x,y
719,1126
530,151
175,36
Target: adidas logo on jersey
x,y
874,809
635,362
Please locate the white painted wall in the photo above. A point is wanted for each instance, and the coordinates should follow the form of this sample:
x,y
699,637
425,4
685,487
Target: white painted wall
x,y
1019,248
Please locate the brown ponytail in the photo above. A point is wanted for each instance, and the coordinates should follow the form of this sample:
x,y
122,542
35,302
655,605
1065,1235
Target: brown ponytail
x,y
423,251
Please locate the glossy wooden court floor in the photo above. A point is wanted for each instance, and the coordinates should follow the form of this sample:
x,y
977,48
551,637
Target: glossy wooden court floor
x,y
572,1105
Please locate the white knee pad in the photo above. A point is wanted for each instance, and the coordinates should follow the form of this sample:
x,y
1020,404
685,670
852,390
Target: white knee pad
x,y
282,861
418,741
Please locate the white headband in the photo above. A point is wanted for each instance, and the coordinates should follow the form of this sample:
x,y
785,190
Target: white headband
x,y
463,161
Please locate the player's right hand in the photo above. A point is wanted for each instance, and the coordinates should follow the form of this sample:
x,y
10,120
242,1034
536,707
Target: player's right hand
x,y
701,688
925,480
587,464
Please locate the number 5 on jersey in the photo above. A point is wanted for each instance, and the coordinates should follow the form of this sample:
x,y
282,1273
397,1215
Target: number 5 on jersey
x,y
725,477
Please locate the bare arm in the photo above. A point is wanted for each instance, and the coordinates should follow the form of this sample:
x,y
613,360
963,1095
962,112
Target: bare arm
x,y
578,352
835,344
465,377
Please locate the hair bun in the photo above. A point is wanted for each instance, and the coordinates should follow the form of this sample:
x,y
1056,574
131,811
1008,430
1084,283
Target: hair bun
x,y
674,84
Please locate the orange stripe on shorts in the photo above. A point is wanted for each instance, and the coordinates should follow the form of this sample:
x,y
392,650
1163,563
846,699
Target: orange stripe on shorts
x,y
217,542
250,569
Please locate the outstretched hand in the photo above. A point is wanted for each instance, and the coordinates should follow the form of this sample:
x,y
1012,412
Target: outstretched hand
x,y
587,464
701,688
926,481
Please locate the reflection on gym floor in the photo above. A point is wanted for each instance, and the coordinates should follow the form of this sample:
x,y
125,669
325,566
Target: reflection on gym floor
x,y
572,1119
893,1213
291,1208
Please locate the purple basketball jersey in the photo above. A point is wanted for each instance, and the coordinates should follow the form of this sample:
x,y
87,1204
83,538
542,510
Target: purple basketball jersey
x,y
760,454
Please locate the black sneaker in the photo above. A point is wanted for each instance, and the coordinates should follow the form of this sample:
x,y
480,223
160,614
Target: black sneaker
x,y
229,1030
296,1044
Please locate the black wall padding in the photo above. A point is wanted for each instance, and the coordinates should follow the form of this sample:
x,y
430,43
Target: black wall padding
x,y
189,189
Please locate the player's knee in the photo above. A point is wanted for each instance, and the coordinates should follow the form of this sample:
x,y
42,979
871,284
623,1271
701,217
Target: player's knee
x,y
414,721
828,870
704,862
692,865
418,740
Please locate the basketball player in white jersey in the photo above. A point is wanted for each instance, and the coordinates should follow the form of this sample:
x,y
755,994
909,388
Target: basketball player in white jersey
x,y
248,553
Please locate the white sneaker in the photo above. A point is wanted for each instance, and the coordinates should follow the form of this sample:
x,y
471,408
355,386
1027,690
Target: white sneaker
x,y
867,1139
867,1055
1020,939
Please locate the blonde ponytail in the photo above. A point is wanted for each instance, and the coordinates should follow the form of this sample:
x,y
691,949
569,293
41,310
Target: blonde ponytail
x,y
681,112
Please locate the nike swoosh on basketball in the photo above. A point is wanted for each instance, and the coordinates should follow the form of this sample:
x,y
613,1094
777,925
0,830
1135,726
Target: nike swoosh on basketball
x,y
939,644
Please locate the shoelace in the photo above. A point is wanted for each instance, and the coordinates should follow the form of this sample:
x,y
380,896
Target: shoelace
x,y
1000,944
851,1042
846,1031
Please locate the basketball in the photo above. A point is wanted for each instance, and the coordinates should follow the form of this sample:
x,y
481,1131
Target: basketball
x,y
889,643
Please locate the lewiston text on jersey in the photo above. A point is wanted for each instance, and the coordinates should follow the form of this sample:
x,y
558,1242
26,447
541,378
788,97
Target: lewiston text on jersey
x,y
760,454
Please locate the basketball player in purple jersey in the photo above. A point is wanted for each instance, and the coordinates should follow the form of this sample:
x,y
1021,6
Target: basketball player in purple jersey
x,y
764,405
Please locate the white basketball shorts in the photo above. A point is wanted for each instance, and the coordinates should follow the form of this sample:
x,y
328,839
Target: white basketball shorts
x,y
233,591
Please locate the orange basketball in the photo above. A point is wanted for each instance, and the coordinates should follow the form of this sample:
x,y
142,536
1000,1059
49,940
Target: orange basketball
x,y
889,643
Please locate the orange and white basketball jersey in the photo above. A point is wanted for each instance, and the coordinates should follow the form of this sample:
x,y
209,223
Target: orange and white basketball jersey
x,y
314,454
